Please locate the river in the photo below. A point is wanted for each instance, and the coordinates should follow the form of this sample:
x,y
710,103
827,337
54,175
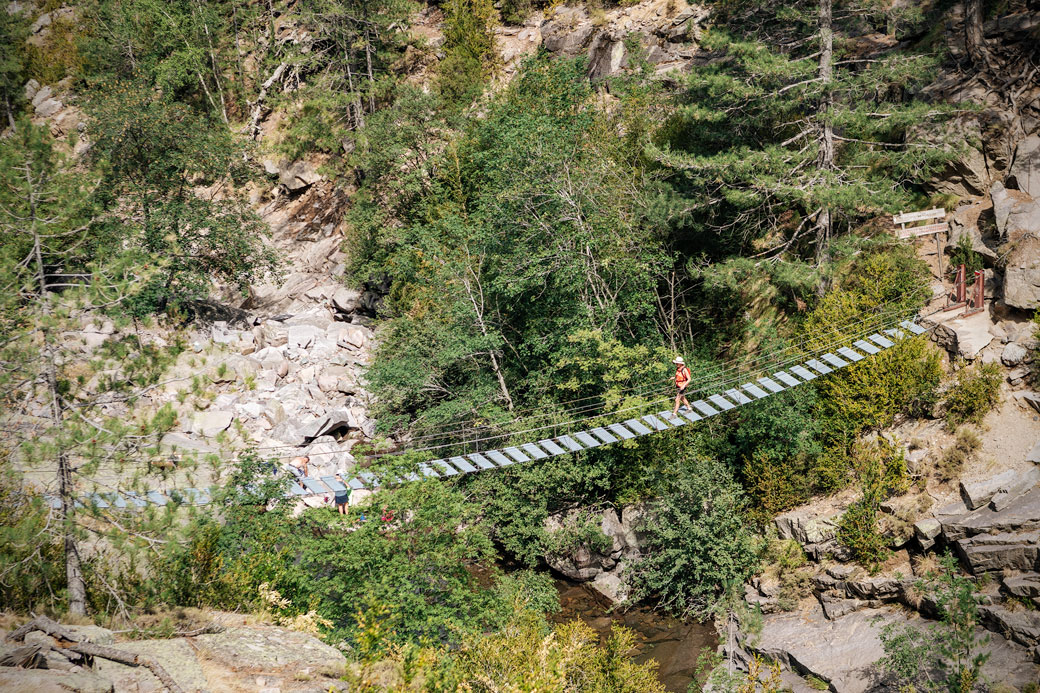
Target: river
x,y
674,644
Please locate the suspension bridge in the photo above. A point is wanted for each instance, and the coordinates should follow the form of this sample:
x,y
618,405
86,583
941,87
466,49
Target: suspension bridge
x,y
719,395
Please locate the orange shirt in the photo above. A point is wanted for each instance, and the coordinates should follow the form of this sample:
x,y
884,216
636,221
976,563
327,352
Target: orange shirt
x,y
682,376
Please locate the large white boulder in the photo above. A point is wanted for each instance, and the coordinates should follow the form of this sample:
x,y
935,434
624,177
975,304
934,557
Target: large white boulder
x,y
1017,214
346,300
302,336
964,336
298,175
350,336
209,424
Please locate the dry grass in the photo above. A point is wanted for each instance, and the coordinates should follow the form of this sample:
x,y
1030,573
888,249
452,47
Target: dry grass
x,y
965,445
922,565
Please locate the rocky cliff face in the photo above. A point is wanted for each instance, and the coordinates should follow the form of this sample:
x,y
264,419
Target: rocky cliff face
x,y
835,636
996,181
989,520
280,369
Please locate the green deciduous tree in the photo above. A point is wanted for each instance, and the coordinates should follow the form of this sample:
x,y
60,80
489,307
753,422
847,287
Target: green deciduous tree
x,y
411,565
167,182
697,542
411,557
524,233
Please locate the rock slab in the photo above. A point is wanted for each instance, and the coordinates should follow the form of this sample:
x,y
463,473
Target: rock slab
x,y
270,649
844,652
51,681
1026,168
176,656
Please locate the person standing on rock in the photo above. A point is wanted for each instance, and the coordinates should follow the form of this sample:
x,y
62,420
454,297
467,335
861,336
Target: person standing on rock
x,y
682,379
342,497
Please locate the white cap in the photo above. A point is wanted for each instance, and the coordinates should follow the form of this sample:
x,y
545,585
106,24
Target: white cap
x,y
678,359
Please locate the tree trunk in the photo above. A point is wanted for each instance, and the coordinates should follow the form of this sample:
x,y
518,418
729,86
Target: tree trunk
x,y
974,42
72,642
478,312
371,77
359,107
253,128
77,588
10,112
826,162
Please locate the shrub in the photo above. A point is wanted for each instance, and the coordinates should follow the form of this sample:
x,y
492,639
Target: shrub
x,y
786,562
58,56
526,654
952,648
881,470
469,46
868,396
973,394
697,542
516,11
858,531
31,560
778,439
762,676
817,684
582,531
964,254
770,484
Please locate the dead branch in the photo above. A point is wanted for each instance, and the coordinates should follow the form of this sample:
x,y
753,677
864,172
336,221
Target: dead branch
x,y
253,128
27,657
70,641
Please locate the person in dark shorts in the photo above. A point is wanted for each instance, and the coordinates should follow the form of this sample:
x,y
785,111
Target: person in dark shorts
x,y
342,497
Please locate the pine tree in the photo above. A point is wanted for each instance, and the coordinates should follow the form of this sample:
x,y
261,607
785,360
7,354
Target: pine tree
x,y
70,404
469,44
795,132
13,32
348,71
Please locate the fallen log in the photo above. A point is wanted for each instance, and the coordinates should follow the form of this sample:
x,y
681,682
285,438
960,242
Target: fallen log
x,y
70,641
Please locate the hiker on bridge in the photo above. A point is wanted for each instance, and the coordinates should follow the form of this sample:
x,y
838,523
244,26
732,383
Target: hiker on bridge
x,y
682,379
